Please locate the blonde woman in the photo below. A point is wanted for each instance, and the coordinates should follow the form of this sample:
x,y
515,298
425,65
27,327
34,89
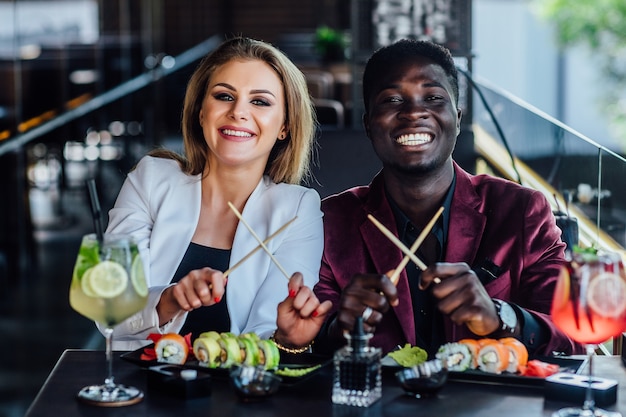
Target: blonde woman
x,y
248,131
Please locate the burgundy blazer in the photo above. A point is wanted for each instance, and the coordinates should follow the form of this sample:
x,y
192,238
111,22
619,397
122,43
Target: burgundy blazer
x,y
490,219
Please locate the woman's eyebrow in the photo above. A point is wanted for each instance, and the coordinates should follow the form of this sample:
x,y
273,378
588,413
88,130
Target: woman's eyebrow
x,y
257,91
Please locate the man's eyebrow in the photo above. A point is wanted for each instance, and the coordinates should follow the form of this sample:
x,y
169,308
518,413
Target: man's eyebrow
x,y
429,83
258,91
434,84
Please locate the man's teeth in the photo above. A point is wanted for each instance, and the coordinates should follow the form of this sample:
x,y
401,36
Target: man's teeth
x,y
414,139
239,133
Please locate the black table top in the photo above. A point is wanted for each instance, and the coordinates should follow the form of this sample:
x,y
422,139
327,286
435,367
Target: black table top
x,y
310,397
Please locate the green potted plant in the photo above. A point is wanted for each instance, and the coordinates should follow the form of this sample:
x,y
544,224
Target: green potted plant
x,y
330,44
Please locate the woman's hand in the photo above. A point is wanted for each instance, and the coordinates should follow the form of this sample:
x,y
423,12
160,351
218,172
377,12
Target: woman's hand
x,y
300,315
201,287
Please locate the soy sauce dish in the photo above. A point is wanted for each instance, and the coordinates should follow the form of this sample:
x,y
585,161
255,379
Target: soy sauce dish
x,y
424,380
252,383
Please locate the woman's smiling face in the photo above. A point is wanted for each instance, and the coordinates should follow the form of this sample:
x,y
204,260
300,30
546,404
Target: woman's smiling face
x,y
243,113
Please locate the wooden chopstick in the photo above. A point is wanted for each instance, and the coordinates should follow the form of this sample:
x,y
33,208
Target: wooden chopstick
x,y
234,209
395,276
255,250
409,253
397,242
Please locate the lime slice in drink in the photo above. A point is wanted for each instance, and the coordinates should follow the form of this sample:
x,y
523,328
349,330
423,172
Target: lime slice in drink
x,y
606,295
85,284
137,277
106,280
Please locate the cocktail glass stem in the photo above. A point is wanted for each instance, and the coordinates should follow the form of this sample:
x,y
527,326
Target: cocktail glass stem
x,y
589,403
109,382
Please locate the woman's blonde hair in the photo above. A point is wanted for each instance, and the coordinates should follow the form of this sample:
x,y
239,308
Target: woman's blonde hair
x,y
290,159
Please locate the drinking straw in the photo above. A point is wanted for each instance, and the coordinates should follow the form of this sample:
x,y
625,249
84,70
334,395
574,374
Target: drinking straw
x,y
96,212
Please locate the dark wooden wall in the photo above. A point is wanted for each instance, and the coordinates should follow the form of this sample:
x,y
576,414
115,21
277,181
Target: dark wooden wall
x,y
177,25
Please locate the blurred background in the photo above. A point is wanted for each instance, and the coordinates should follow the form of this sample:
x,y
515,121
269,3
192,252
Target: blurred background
x,y
87,87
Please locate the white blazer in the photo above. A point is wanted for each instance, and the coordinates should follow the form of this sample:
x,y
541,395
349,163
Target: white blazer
x,y
160,206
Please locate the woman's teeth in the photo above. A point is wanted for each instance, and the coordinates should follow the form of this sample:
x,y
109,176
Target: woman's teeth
x,y
238,133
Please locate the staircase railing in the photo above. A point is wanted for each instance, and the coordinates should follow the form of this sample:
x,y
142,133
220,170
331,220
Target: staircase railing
x,y
125,89
577,174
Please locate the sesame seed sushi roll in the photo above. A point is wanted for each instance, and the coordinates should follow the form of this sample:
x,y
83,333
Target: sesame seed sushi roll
x,y
455,356
172,348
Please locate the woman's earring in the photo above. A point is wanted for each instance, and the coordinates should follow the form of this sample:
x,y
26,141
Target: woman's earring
x,y
282,136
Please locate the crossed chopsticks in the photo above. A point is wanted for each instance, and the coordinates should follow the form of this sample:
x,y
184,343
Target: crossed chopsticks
x,y
409,253
262,243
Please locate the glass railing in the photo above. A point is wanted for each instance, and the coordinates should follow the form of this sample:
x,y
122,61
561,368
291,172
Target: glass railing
x,y
578,175
100,136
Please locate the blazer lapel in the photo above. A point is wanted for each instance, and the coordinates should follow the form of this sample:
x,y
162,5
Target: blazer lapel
x,y
465,229
385,255
466,224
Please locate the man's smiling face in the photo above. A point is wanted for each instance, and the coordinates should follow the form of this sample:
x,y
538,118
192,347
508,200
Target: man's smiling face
x,y
413,120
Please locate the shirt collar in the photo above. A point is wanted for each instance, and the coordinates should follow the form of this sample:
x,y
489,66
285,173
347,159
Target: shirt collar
x,y
440,229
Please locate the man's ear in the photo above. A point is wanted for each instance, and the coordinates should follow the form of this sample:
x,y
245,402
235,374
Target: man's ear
x,y
459,113
366,124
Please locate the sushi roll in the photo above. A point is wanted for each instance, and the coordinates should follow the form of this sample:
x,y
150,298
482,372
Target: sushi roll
x,y
252,336
231,353
171,348
493,356
474,347
210,335
249,351
208,352
455,356
518,354
269,354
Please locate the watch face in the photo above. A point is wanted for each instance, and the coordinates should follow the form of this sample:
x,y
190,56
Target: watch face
x,y
507,315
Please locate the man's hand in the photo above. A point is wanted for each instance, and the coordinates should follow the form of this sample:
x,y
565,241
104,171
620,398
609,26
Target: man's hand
x,y
368,296
461,296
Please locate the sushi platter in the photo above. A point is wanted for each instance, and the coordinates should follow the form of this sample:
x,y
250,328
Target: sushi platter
x,y
288,362
490,361
566,364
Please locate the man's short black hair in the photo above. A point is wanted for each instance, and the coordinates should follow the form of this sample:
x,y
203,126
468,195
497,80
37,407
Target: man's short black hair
x,y
404,51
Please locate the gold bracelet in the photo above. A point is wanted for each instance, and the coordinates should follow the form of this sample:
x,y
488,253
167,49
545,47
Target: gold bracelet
x,y
290,350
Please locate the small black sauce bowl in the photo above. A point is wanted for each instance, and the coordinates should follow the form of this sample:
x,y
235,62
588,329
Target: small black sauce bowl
x,y
424,380
252,383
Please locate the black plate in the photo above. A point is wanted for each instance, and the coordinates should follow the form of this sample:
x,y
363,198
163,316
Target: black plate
x,y
304,360
567,364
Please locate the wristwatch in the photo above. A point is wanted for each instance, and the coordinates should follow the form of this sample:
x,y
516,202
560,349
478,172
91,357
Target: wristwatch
x,y
507,315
